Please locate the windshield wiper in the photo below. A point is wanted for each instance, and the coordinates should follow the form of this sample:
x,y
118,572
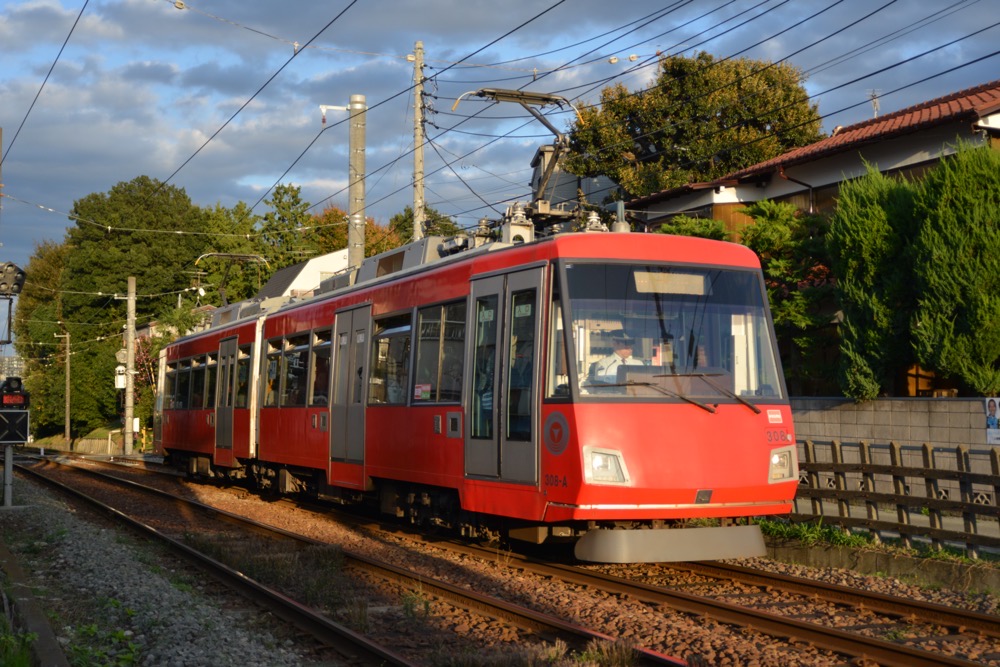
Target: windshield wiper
x,y
665,392
718,388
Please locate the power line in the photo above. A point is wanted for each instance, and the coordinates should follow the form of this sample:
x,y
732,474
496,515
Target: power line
x,y
258,92
45,80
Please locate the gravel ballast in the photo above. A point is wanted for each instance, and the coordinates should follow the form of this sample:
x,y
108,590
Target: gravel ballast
x,y
133,605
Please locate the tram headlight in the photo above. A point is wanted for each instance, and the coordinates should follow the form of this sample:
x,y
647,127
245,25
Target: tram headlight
x,y
784,465
604,466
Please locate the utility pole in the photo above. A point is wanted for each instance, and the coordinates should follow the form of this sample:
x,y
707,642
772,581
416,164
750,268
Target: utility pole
x,y
418,141
66,430
358,109
356,183
129,365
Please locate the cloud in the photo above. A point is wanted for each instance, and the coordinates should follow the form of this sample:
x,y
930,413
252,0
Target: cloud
x,y
142,86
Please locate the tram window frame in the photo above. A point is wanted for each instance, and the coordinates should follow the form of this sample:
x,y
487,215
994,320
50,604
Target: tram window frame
x,y
294,371
170,386
198,366
211,379
270,379
182,395
391,346
243,359
486,337
322,356
435,368
557,385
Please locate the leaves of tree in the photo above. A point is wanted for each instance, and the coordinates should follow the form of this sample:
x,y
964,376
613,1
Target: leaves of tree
x,y
699,120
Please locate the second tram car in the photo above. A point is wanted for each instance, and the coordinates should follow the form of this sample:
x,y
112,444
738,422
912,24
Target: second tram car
x,y
608,388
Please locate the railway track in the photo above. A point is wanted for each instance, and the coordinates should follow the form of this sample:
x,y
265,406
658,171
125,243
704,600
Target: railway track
x,y
913,611
963,626
868,626
545,626
349,645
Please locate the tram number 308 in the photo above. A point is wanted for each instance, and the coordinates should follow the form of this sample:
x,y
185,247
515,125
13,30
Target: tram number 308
x,y
555,480
777,435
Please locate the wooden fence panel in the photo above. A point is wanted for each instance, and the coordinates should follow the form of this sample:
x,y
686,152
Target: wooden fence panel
x,y
958,503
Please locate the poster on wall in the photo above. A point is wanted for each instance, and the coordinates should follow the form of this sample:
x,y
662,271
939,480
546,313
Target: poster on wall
x,y
992,421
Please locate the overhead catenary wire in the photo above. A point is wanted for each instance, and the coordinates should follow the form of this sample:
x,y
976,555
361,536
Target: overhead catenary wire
x,y
457,130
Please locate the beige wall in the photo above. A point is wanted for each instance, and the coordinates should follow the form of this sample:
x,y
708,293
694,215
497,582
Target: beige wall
x,y
944,422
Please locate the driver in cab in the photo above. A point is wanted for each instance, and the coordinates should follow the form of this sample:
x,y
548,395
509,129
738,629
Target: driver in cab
x,y
605,371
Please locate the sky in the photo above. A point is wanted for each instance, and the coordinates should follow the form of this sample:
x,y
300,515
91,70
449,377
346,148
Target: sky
x,y
222,97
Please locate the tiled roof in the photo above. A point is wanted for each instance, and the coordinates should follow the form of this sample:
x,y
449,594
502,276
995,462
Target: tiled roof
x,y
281,281
971,104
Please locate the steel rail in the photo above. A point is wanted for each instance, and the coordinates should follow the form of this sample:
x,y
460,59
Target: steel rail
x,y
884,653
349,644
543,625
929,612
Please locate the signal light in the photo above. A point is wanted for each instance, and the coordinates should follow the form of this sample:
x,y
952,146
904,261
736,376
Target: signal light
x,y
12,394
11,279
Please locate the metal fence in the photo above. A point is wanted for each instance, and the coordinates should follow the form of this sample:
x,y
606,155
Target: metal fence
x,y
941,495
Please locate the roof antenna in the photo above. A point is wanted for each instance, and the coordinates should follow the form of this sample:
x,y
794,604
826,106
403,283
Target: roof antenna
x,y
873,95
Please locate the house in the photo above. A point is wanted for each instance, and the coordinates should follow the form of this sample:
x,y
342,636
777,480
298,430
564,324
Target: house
x,y
906,142
302,279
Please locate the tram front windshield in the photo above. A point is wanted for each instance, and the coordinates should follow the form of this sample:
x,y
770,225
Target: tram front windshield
x,y
664,332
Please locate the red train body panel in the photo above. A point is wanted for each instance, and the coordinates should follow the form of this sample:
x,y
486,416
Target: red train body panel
x,y
476,390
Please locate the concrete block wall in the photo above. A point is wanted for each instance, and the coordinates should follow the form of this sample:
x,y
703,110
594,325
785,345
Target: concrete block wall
x,y
942,422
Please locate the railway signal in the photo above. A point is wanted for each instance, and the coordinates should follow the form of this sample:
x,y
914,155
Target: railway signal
x,y
14,413
11,279
14,409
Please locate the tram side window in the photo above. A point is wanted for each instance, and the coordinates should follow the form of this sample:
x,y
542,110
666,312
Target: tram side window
x,y
294,366
183,394
169,387
211,374
520,378
197,383
320,384
484,366
557,374
390,368
440,354
243,376
271,377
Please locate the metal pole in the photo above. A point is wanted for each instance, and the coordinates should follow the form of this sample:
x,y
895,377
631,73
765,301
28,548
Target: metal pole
x,y
129,365
418,141
356,182
8,476
66,429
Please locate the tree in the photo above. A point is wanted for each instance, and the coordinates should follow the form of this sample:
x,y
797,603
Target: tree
x,y
869,242
281,238
124,233
792,250
119,234
36,324
956,327
233,261
435,224
682,225
699,120
328,231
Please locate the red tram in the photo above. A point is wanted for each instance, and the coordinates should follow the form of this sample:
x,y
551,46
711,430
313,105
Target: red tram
x,y
607,388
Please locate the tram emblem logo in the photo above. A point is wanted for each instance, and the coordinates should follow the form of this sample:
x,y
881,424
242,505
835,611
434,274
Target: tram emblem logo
x,y
556,433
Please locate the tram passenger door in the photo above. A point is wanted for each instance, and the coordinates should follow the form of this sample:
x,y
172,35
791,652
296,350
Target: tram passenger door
x,y
501,434
347,419
224,402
